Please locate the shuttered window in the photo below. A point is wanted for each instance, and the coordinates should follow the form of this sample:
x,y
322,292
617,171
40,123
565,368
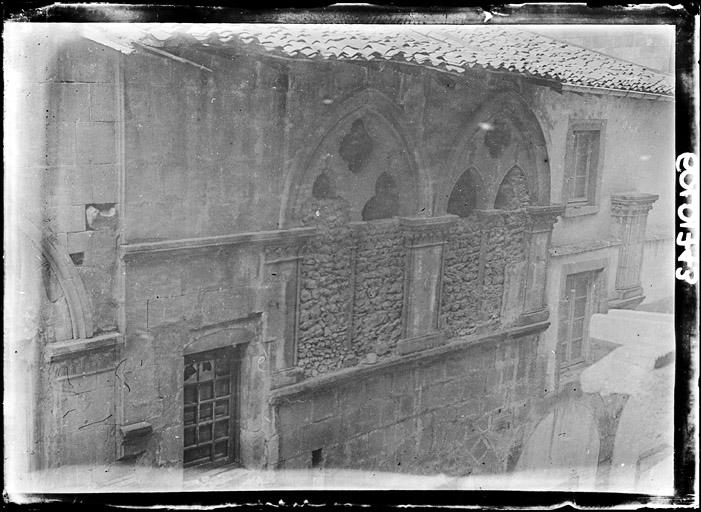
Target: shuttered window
x,y
577,308
584,164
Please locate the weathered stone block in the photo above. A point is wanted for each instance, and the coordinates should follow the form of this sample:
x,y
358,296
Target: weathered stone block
x,y
104,183
295,414
432,373
406,405
102,102
324,406
455,367
70,219
222,305
167,310
322,433
85,62
147,281
334,456
78,242
71,102
95,143
60,144
80,186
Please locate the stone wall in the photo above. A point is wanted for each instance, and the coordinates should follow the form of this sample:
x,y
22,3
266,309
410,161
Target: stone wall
x,y
458,409
325,289
379,285
480,247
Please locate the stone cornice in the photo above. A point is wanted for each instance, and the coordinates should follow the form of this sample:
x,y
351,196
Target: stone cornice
x,y
79,347
278,238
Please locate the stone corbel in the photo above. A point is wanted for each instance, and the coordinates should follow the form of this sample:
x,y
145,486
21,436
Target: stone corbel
x,y
425,240
540,228
629,213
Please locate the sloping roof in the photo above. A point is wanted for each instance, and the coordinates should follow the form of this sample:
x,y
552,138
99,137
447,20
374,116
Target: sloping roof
x,y
452,48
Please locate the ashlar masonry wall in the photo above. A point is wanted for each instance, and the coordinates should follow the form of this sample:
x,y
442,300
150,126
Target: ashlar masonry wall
x,y
459,409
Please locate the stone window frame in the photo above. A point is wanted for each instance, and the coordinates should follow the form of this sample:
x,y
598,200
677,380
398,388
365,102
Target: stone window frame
x,y
598,304
574,208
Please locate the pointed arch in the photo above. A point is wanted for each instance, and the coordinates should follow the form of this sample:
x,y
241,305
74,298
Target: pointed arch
x,y
366,101
513,191
464,195
522,118
79,303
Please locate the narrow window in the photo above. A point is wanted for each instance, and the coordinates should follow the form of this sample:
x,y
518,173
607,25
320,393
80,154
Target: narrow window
x,y
584,167
210,419
578,312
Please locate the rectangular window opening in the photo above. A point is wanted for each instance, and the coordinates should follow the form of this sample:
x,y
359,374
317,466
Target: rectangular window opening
x,y
584,162
317,457
210,407
578,308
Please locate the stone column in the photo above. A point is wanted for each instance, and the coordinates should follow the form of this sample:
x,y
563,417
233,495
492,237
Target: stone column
x,y
628,222
542,220
281,257
425,239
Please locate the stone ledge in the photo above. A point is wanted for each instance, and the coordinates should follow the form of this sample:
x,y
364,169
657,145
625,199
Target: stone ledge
x,y
531,317
70,348
626,303
286,377
359,372
567,250
419,343
257,237
135,431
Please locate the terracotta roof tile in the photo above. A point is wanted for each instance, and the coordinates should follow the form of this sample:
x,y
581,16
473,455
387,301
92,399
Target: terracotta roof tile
x,y
452,48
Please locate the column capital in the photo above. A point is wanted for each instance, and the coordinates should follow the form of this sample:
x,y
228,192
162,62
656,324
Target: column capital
x,y
286,244
632,204
544,217
426,230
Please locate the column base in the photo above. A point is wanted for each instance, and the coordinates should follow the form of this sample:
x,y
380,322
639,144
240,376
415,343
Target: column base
x,y
533,317
628,298
627,303
419,343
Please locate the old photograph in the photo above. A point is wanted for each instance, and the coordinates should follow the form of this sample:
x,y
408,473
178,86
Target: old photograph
x,y
250,256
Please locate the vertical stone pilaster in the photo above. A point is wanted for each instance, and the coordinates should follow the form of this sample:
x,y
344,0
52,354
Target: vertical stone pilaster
x,y
542,220
629,220
281,285
425,240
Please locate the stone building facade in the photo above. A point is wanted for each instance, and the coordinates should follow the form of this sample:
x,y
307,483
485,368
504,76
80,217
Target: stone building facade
x,y
285,261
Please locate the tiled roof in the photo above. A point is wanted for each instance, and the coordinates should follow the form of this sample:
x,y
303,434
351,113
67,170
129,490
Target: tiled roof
x,y
453,48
